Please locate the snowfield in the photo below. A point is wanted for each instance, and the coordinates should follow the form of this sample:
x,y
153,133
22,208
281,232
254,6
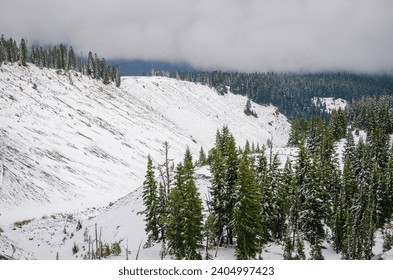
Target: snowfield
x,y
331,103
70,145
74,150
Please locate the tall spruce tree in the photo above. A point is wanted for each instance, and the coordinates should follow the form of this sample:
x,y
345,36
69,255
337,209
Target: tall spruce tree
x,y
218,198
193,218
175,216
184,220
224,166
150,201
247,212
23,53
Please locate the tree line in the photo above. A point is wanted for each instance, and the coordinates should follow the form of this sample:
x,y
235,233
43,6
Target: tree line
x,y
316,197
60,57
291,93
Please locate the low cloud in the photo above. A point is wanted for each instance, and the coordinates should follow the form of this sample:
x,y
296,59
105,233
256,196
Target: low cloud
x,y
239,35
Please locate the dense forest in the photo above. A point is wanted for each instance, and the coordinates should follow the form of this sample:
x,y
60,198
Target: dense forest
x,y
58,57
317,197
292,93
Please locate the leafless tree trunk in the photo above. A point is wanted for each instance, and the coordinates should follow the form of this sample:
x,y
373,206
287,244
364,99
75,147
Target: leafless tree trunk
x,y
96,238
137,254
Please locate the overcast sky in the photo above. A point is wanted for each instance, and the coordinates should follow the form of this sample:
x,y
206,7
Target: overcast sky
x,y
241,35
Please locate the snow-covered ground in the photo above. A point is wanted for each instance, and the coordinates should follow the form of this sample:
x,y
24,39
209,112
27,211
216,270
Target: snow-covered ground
x,y
73,149
331,103
69,143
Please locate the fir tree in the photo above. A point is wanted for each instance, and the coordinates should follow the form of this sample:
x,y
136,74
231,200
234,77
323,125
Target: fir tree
x,y
23,53
175,216
224,166
150,201
193,219
217,192
117,77
247,212
71,64
202,157
313,211
292,201
300,255
184,221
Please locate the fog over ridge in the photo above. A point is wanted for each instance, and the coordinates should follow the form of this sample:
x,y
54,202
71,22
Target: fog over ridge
x,y
238,35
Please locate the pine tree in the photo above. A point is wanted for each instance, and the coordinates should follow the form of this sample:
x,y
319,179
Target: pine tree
x,y
300,255
224,166
232,165
3,50
338,123
217,192
175,216
117,77
71,64
193,219
266,194
247,212
184,221
90,65
313,210
288,247
202,157
162,211
303,182
23,53
292,201
150,201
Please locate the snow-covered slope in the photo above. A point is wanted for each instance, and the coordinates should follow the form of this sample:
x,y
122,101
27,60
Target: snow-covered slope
x,y
331,103
67,141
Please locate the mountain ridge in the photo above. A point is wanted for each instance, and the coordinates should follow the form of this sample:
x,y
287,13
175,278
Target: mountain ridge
x,y
69,140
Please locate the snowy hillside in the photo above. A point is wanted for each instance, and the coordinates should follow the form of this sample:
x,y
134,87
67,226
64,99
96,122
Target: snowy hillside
x,y
330,103
68,142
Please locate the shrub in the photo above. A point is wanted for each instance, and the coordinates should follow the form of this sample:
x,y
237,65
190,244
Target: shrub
x,y
116,250
78,225
75,249
19,224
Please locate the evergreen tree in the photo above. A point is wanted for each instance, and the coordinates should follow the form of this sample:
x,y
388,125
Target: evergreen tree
x,y
193,219
175,215
247,212
267,195
3,50
23,53
313,211
184,221
303,181
202,157
217,192
300,255
288,247
231,176
224,166
90,65
292,200
338,123
299,128
150,201
117,77
72,59
162,210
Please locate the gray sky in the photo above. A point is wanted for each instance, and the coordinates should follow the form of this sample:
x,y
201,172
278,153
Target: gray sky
x,y
241,35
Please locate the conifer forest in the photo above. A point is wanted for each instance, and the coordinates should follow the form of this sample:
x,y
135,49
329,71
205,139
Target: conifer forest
x,y
255,199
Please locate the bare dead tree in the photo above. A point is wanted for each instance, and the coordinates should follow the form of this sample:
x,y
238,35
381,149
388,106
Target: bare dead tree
x,y
100,244
139,249
164,168
88,256
96,238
